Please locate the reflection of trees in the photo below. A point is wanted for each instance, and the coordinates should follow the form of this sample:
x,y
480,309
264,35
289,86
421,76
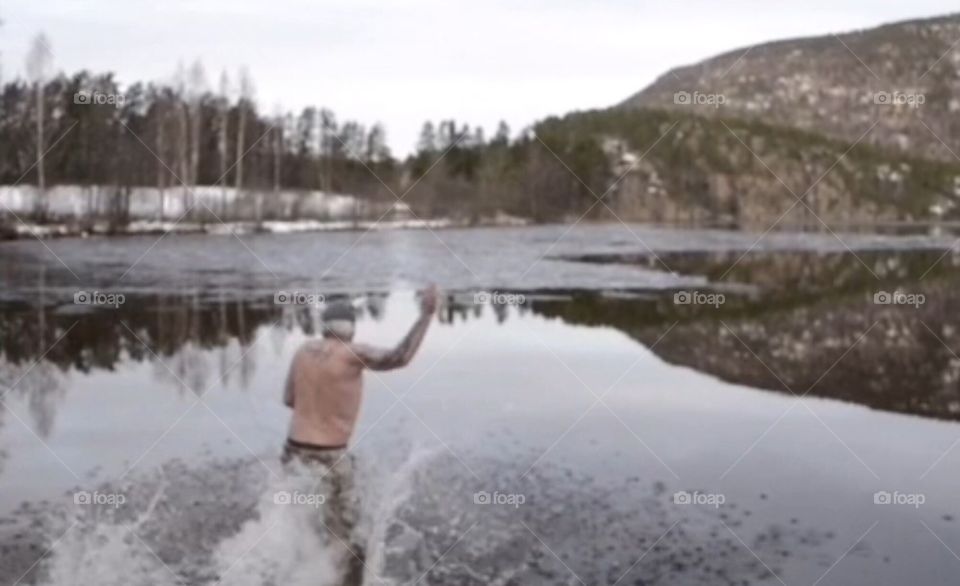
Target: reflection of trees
x,y
501,312
102,338
806,316
41,383
795,273
191,342
453,309
36,379
179,330
43,387
376,305
805,311
465,307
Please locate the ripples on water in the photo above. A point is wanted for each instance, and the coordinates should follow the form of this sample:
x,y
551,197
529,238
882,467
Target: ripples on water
x,y
510,258
222,523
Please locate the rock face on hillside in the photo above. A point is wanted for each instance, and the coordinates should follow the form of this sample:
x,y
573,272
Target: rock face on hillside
x,y
896,86
666,166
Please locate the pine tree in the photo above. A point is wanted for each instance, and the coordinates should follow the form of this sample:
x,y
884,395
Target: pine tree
x,y
428,139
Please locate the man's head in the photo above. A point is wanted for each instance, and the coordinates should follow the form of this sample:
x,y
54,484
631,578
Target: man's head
x,y
339,319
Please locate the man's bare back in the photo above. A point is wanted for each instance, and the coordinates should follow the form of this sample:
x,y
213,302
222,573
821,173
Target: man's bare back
x,y
325,383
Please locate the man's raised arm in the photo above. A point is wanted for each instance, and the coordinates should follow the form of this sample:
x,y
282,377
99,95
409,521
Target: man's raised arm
x,y
402,354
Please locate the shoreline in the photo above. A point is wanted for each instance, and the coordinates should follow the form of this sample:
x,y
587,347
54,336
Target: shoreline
x,y
23,230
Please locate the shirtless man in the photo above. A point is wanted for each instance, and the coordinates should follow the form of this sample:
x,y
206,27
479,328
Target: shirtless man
x,y
324,388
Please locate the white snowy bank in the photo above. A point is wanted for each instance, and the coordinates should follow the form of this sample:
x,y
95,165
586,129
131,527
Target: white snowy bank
x,y
141,227
75,202
86,211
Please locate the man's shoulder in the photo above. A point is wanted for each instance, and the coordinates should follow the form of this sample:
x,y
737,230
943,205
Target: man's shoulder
x,y
323,348
312,346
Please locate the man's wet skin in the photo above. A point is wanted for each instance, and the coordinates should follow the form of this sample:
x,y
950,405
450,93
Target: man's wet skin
x,y
324,388
325,383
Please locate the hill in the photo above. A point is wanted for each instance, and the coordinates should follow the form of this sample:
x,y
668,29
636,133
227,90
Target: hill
x,y
667,166
904,78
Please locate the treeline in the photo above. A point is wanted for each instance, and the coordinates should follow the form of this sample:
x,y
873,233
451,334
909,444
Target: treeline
x,y
202,138
86,129
546,173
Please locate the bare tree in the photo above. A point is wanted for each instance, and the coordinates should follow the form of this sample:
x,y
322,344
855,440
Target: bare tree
x,y
183,138
223,127
245,102
329,146
39,61
377,150
196,89
1,66
161,146
277,149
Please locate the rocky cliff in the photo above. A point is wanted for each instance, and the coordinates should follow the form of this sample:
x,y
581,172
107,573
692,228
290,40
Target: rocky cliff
x,y
839,130
673,167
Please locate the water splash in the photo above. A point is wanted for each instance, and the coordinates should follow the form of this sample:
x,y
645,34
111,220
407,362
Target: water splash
x,y
284,544
422,519
227,524
94,550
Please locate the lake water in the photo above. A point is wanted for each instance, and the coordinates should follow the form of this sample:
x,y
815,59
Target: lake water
x,y
578,388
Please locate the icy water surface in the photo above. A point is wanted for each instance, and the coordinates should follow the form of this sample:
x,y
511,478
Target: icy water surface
x,y
579,424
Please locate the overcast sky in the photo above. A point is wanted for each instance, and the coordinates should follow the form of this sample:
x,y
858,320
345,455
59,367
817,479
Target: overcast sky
x,y
403,61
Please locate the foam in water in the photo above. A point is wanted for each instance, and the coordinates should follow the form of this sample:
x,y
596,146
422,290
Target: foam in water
x,y
95,551
282,545
267,542
288,545
383,501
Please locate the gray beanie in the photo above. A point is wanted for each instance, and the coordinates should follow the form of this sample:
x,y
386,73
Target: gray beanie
x,y
339,311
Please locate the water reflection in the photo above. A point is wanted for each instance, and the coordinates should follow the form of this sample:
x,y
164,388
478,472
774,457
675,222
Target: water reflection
x,y
191,342
808,322
174,328
607,482
791,322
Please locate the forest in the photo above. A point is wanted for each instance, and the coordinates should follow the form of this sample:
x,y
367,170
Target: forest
x,y
88,129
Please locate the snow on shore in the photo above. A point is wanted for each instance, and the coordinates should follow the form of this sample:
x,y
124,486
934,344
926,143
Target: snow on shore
x,y
140,227
78,202
84,211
